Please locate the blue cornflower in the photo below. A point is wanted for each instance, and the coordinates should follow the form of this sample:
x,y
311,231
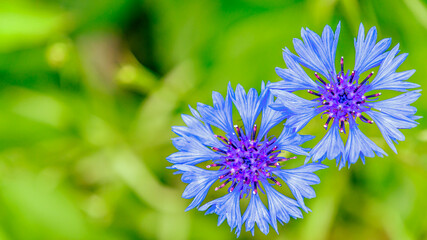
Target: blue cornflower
x,y
245,158
346,97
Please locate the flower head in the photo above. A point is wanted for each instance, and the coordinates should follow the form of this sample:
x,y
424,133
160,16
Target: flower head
x,y
245,159
346,97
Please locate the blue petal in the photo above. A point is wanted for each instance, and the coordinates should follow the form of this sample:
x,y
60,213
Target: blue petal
x,y
389,125
294,78
299,181
399,106
358,145
300,120
318,54
199,181
368,53
220,115
196,129
387,78
271,117
256,213
332,47
290,141
304,110
190,152
249,106
226,207
281,207
331,146
293,101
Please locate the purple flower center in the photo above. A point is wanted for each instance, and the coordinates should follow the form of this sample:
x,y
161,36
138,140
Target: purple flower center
x,y
344,98
247,161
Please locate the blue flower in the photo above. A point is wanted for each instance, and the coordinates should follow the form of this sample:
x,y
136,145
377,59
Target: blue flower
x,y
346,97
245,158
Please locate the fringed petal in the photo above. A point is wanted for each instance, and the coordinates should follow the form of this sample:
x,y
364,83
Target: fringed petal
x,y
331,146
369,54
190,152
256,213
388,78
358,145
300,179
226,207
281,207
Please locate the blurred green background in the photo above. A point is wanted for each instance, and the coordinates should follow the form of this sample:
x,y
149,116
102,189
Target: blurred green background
x,y
89,91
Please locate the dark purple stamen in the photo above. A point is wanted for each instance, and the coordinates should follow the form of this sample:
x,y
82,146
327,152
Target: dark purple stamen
x,y
363,82
218,150
214,165
254,132
255,191
223,176
342,129
222,138
239,133
272,150
246,161
351,77
314,93
223,185
232,187
327,122
275,181
364,119
344,98
373,95
318,77
282,159
366,79
232,145
339,79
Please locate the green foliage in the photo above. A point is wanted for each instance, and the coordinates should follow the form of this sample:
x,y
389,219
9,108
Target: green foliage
x,y
89,91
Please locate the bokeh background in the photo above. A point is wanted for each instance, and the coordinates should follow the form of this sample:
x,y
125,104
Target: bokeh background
x,y
89,91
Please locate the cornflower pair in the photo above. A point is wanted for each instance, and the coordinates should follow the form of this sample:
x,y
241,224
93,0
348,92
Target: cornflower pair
x,y
248,160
